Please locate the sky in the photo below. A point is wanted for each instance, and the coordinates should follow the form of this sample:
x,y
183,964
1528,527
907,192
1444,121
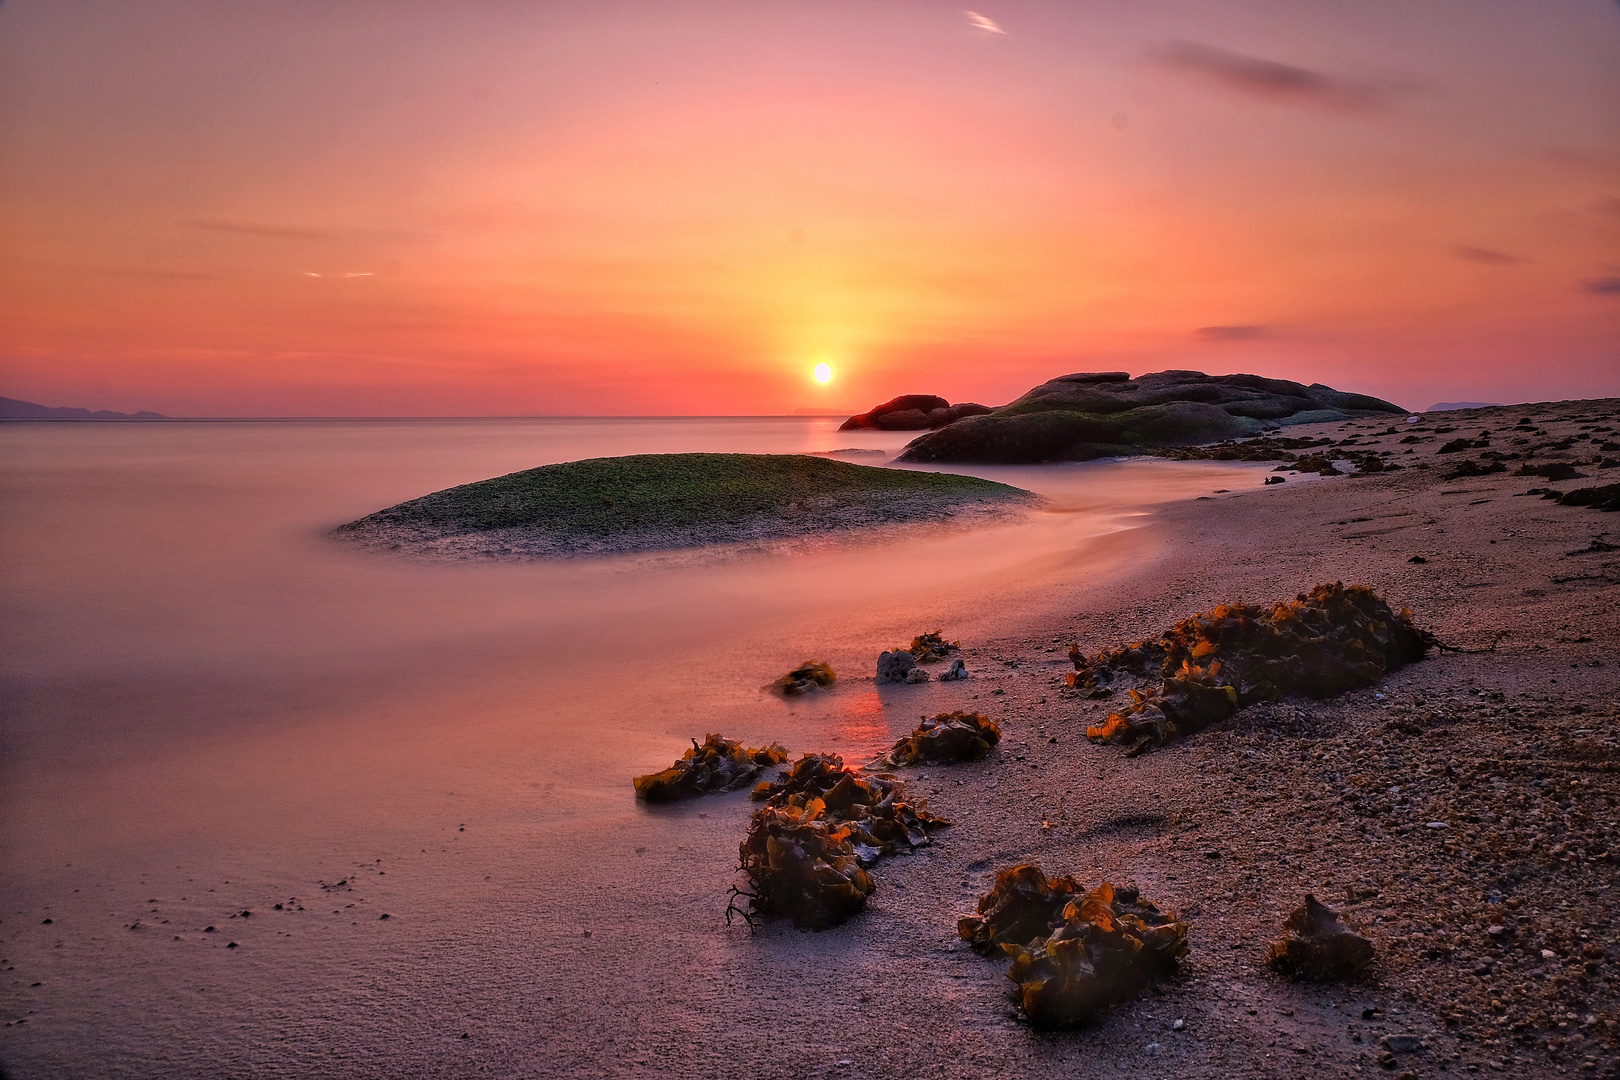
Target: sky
x,y
637,207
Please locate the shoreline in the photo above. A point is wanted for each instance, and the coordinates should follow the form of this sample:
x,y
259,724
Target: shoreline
x,y
487,936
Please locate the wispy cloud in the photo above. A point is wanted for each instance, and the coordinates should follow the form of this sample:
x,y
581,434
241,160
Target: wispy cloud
x,y
983,22
345,274
1230,333
1277,82
1485,255
251,228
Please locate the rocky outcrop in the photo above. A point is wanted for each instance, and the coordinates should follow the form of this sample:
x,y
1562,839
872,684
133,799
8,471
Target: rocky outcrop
x,y
913,412
1108,413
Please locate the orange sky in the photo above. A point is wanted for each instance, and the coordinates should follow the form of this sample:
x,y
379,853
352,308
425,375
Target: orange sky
x,y
644,208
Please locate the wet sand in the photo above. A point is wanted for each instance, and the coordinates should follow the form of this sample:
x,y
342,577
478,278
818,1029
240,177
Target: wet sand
x,y
605,952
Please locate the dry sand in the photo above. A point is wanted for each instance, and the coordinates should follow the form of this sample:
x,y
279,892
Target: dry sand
x,y
1495,925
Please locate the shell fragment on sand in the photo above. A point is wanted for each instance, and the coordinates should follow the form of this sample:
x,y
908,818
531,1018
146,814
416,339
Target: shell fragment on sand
x,y
1317,946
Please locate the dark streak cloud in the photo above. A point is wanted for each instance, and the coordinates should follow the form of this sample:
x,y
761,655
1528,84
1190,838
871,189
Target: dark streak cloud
x,y
1485,255
1604,286
250,228
1230,333
1273,81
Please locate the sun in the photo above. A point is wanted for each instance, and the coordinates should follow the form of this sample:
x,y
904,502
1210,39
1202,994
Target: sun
x,y
823,373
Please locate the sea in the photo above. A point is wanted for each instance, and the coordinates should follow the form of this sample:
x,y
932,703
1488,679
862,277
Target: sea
x,y
275,805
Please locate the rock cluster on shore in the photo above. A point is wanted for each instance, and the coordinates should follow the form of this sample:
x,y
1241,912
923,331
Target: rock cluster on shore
x,y
1107,413
913,412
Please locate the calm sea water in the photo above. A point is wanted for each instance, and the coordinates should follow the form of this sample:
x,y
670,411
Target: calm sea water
x,y
208,704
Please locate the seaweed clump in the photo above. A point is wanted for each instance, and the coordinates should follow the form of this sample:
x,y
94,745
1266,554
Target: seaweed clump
x,y
1317,946
926,648
948,737
1604,497
822,825
1022,906
1319,645
720,764
807,676
1107,945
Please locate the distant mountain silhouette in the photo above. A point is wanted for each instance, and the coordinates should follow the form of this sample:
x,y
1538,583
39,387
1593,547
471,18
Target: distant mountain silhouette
x,y
1453,406
12,409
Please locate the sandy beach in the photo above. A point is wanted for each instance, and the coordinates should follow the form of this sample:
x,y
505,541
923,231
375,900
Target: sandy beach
x,y
1510,751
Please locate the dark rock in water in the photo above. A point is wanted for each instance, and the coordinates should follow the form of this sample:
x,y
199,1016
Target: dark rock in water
x,y
1110,948
913,412
957,736
892,667
718,765
1103,414
1318,947
1318,645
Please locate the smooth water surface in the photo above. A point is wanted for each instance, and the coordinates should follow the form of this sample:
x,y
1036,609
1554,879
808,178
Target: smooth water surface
x,y
201,691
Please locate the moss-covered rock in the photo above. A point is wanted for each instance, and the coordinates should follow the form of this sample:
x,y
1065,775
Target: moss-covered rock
x,y
646,502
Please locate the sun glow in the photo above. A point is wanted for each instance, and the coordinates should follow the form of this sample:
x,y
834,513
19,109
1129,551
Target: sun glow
x,y
823,373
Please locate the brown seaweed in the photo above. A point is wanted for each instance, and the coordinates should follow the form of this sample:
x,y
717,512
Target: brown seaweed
x,y
1022,906
926,648
948,737
1109,948
1317,946
822,824
807,676
718,765
1604,497
1319,645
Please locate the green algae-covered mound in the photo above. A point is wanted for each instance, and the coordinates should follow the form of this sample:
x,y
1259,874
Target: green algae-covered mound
x,y
651,502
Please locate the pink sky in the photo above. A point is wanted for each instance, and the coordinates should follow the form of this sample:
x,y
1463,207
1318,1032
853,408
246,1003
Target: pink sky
x,y
642,208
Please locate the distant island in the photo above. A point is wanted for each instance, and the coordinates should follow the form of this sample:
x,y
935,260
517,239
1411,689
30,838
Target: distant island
x,y
12,409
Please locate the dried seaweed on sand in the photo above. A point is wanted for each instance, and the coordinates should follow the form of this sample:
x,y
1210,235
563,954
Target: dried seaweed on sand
x,y
720,764
808,847
1023,905
1104,947
1319,947
927,648
1321,644
948,737
807,676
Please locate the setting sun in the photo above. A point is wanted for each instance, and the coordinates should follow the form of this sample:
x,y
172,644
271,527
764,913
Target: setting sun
x,y
823,373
